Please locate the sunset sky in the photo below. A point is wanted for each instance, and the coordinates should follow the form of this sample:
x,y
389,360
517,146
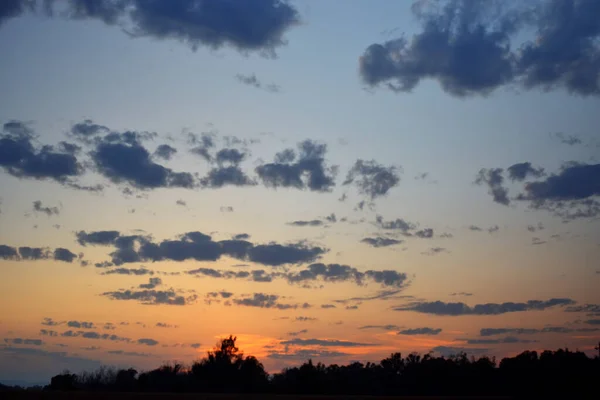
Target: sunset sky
x,y
335,180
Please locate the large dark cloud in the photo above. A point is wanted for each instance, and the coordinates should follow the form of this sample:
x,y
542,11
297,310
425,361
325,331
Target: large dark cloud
x,y
200,247
455,309
571,193
231,175
307,170
121,157
20,158
14,8
255,26
372,179
263,300
325,343
467,47
420,331
151,296
95,336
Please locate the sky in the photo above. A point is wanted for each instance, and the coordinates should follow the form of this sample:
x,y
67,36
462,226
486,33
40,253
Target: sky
x,y
335,180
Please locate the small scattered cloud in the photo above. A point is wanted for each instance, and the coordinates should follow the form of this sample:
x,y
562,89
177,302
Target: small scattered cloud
x,y
325,343
380,241
420,331
252,80
372,179
21,341
49,211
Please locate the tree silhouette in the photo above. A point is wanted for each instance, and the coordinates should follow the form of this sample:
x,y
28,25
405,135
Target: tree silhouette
x,y
225,369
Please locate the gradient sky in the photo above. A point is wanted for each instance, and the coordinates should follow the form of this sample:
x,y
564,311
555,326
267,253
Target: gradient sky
x,y
439,192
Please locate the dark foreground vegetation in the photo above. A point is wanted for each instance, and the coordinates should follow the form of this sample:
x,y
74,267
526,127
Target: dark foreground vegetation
x,y
227,370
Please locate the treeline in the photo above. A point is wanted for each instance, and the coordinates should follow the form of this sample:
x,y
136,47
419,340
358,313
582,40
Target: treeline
x,y
226,369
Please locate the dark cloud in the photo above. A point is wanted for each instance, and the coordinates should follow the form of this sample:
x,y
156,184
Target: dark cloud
x,y
435,250
97,237
426,233
494,180
570,140
592,322
226,209
20,158
325,343
493,229
305,354
48,332
14,8
383,327
520,172
345,273
152,283
165,152
379,295
305,319
128,353
241,236
313,222
121,157
147,342
306,171
200,247
50,322
88,129
475,228
591,309
8,252
535,228
381,241
530,331
226,175
372,179
263,300
300,332
36,253
326,306
95,336
164,325
420,331
81,324
151,297
252,80
466,47
38,207
455,309
129,271
19,341
461,294
62,254
568,194
508,339
246,26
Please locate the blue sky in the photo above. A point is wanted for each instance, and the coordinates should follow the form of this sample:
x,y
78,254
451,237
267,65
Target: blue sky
x,y
314,76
